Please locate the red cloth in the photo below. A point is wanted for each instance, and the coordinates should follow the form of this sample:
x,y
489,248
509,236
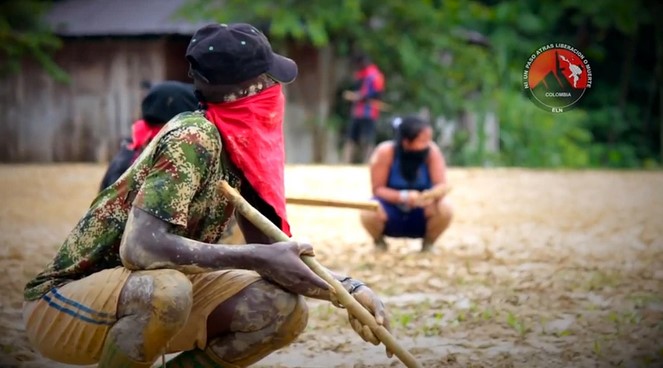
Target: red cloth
x,y
371,82
252,132
142,133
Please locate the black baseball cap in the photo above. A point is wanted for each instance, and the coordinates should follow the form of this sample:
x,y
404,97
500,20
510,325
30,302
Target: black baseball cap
x,y
235,52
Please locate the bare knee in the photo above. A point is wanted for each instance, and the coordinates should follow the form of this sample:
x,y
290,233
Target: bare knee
x,y
445,211
368,218
379,216
374,221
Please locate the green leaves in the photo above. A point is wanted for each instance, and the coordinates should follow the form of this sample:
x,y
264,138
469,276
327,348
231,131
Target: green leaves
x,y
306,21
24,35
458,55
625,16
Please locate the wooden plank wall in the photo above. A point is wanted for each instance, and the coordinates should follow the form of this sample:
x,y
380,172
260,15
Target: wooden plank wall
x,y
42,120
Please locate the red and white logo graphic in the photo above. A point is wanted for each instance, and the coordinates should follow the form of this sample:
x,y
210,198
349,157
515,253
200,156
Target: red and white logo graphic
x,y
556,76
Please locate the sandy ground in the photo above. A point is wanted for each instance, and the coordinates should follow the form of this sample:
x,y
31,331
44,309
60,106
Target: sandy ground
x,y
539,268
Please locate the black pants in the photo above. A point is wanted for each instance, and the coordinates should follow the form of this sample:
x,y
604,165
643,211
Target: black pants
x,y
362,131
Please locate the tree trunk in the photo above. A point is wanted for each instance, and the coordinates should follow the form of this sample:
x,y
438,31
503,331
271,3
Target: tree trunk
x,y
325,73
627,67
660,96
312,92
658,28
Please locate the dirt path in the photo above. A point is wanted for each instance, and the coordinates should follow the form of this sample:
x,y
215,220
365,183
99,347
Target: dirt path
x,y
539,269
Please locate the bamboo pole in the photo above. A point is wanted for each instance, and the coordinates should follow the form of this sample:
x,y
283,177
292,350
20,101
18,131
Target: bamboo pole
x,y
356,204
370,205
347,300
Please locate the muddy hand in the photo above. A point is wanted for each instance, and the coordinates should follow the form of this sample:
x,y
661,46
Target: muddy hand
x,y
281,263
369,300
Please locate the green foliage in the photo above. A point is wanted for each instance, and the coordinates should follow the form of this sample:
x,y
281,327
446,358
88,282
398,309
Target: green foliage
x,y
431,55
301,20
532,137
23,34
411,41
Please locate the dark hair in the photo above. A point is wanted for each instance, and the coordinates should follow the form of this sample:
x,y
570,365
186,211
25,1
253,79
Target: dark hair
x,y
167,99
359,59
410,127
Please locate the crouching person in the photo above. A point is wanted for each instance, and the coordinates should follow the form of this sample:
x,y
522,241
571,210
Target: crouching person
x,y
141,274
162,103
402,170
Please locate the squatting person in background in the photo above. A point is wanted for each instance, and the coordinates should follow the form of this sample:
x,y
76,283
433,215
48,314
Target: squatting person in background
x,y
401,170
162,102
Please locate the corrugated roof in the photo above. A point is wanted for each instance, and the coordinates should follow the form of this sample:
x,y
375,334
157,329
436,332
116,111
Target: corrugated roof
x,y
78,18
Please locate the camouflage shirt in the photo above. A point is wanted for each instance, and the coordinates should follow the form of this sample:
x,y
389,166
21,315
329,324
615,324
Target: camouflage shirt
x,y
174,179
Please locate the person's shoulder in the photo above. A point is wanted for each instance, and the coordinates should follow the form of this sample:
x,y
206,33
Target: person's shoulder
x,y
384,151
435,149
434,153
193,128
195,120
386,146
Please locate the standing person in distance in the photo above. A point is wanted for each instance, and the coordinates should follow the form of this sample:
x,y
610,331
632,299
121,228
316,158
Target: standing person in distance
x,y
365,111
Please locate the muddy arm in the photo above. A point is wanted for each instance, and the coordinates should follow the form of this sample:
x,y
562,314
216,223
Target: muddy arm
x,y
147,243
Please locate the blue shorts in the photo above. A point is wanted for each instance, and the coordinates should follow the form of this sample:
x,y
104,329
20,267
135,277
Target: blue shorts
x,y
402,224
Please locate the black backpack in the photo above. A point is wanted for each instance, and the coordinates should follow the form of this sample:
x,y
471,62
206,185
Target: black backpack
x,y
119,164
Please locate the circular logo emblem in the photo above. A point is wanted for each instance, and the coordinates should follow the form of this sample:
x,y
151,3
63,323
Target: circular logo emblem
x,y
556,77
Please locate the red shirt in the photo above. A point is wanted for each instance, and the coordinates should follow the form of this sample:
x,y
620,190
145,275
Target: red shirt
x,y
371,85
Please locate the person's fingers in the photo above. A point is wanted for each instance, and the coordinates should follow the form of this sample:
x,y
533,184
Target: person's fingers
x,y
378,311
379,318
364,297
356,325
385,322
389,353
363,330
305,249
333,297
370,336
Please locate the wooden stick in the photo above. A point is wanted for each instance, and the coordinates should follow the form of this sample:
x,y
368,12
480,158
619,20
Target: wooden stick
x,y
347,300
357,204
435,193
353,96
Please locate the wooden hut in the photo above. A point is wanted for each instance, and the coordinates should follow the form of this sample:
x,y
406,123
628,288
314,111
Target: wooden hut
x,y
108,49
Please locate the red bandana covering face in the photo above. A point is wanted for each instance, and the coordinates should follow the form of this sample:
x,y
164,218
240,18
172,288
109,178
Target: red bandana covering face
x,y
252,132
142,133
